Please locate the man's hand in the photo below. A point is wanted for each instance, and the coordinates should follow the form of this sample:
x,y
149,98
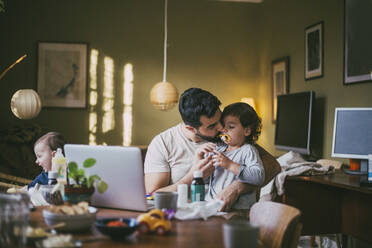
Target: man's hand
x,y
228,195
205,165
204,150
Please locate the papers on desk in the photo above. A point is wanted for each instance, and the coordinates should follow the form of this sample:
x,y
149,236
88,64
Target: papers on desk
x,y
199,210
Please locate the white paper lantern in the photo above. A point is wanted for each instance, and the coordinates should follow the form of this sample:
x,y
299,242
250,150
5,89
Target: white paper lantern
x,y
25,104
164,96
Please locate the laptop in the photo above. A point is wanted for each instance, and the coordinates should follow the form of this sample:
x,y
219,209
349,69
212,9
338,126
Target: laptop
x,y
120,167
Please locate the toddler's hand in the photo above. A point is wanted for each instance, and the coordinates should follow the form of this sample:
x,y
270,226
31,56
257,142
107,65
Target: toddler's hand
x,y
219,159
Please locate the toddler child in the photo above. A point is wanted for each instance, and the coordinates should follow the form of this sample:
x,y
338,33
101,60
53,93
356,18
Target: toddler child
x,y
45,148
237,158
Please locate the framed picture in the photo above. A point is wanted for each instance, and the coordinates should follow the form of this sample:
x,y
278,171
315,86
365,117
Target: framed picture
x,y
358,40
280,79
62,74
314,51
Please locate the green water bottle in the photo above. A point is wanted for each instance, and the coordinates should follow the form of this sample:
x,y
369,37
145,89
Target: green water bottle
x,y
197,187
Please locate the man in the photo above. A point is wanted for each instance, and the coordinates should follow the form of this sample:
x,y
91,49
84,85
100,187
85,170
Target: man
x,y
170,158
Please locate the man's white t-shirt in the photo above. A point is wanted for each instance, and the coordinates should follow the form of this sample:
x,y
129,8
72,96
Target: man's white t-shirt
x,y
170,151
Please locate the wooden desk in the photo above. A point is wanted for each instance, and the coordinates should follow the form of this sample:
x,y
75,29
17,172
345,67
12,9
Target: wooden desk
x,y
192,233
331,204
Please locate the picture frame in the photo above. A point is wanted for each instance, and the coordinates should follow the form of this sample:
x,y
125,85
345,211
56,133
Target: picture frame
x,y
314,51
357,42
280,81
62,74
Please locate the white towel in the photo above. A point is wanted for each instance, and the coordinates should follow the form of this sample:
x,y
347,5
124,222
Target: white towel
x,y
199,210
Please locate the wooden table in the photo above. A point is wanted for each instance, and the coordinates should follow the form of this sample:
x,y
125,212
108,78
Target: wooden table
x,y
331,204
190,233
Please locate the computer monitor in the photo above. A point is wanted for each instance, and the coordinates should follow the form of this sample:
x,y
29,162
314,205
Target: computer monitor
x,y
352,135
293,122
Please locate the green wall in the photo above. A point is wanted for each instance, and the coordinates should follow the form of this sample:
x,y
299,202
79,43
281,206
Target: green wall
x,y
284,23
226,48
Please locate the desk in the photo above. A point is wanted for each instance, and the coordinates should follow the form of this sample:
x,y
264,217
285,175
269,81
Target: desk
x,y
191,233
331,204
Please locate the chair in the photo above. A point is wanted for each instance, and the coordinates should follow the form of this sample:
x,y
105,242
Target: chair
x,y
279,224
8,181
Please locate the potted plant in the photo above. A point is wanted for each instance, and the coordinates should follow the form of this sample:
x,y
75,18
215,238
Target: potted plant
x,y
80,187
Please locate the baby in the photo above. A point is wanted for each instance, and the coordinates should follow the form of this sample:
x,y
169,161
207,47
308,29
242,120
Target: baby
x,y
45,148
237,158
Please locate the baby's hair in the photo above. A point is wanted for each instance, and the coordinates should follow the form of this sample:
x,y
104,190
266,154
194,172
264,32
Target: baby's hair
x,y
53,139
248,118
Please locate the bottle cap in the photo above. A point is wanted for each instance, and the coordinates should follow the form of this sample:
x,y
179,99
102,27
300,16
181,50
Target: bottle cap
x,y
198,173
52,174
58,153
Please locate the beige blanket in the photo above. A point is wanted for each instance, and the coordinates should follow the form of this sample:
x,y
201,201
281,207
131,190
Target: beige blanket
x,y
300,169
292,164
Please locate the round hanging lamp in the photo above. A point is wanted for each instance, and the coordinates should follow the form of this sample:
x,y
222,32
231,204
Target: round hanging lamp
x,y
164,95
25,104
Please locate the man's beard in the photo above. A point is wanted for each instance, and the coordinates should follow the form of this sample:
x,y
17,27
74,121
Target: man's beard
x,y
214,139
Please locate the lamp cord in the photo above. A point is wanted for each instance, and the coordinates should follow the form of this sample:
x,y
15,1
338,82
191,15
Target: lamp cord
x,y
10,67
165,41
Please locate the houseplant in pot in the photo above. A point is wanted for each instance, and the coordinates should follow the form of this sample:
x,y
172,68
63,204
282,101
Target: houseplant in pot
x,y
80,186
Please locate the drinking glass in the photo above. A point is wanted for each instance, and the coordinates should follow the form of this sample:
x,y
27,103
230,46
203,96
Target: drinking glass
x,y
14,217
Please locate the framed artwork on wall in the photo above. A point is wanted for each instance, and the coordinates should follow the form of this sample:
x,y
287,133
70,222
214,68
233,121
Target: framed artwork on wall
x,y
358,40
280,81
62,74
314,55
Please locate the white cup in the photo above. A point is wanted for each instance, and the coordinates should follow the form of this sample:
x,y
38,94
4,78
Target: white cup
x,y
240,233
182,195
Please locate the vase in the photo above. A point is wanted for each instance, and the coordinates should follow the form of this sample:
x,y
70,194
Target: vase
x,y
74,195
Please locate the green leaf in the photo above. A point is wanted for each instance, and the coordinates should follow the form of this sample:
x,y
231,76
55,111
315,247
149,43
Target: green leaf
x,y
102,187
81,173
92,179
72,167
89,162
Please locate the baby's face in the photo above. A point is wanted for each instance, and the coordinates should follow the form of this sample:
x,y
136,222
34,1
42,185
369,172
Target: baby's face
x,y
235,130
43,156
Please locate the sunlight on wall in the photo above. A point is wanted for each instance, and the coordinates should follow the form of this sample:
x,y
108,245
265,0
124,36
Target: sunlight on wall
x,y
108,122
93,96
127,102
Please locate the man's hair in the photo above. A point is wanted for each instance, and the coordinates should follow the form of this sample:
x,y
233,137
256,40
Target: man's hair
x,y
53,139
196,102
248,118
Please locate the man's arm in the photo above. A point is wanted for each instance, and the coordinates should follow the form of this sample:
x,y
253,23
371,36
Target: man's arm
x,y
231,193
161,181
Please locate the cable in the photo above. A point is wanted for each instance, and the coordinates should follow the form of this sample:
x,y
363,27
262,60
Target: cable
x,y
165,40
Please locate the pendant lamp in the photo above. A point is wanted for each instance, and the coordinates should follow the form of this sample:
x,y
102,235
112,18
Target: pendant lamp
x,y
25,103
164,95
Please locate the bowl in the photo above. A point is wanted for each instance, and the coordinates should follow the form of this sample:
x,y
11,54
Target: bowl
x,y
55,198
73,223
117,232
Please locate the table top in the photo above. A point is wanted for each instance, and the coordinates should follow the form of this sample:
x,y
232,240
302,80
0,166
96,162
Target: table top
x,y
338,179
189,233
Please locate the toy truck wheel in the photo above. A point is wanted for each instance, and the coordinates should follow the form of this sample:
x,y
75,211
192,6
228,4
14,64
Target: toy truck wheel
x,y
160,230
143,227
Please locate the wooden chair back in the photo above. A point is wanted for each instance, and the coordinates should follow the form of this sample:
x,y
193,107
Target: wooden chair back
x,y
279,224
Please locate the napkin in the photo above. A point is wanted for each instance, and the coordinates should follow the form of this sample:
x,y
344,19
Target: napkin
x,y
199,210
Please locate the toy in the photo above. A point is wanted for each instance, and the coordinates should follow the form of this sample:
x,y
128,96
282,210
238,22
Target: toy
x,y
155,220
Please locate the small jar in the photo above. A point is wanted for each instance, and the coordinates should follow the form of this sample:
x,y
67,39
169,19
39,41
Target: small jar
x,y
52,177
